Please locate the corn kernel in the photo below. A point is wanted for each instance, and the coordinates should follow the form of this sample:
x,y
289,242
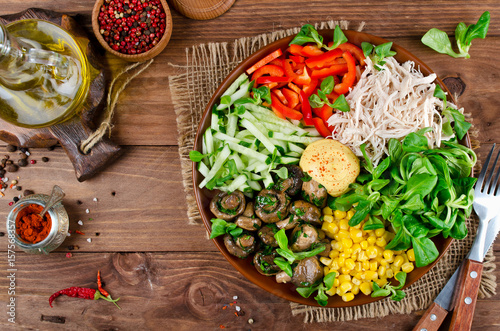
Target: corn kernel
x,y
327,211
347,251
405,257
356,248
362,256
356,235
364,244
345,271
336,245
395,269
334,253
382,261
366,264
326,261
341,261
350,214
407,267
343,234
411,255
339,214
344,224
381,271
366,288
336,282
398,261
332,291
354,256
356,281
355,289
374,266
339,291
350,264
381,242
346,243
370,275
371,252
388,255
379,232
345,255
345,286
371,240
334,265
381,282
358,267
330,228
348,297
344,278
328,218
389,273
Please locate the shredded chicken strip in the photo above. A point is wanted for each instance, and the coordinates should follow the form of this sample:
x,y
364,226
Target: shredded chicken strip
x,y
388,103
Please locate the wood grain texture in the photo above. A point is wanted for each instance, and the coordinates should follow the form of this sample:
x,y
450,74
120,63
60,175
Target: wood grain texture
x,y
432,318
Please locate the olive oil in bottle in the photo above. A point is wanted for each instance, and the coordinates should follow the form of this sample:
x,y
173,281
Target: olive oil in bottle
x,y
44,75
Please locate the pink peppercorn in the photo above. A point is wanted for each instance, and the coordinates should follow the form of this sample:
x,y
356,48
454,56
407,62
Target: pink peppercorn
x,y
32,161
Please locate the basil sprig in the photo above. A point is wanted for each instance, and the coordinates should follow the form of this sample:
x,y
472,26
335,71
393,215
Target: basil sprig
x,y
221,227
308,34
438,40
325,285
320,99
394,291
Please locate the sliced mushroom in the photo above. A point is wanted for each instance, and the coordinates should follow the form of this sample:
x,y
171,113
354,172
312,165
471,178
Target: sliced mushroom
x,y
264,263
228,206
315,193
241,247
288,223
249,211
328,247
271,206
306,211
307,272
248,223
293,184
282,277
303,237
266,235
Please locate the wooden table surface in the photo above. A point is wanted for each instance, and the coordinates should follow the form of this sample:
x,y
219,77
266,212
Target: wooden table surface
x,y
168,275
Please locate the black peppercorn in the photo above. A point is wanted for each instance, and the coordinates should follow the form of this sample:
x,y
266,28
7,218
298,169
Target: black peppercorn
x,y
22,162
11,148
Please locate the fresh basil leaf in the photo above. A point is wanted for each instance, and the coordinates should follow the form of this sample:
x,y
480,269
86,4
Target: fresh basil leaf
x,y
367,48
440,94
384,50
368,163
414,143
381,292
421,184
311,253
307,34
282,239
236,232
460,32
218,227
225,100
459,229
413,204
438,40
341,104
284,265
287,254
395,150
461,126
362,210
382,166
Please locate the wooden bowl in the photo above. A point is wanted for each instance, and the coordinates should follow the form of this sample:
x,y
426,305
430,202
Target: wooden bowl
x,y
203,196
134,57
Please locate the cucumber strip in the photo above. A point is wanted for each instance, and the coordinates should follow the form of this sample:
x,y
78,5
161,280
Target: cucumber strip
x,y
243,134
295,148
268,180
214,124
237,160
219,162
242,92
209,144
234,86
293,154
235,184
269,117
311,131
203,169
249,152
258,134
254,185
296,139
289,160
232,125
224,137
261,167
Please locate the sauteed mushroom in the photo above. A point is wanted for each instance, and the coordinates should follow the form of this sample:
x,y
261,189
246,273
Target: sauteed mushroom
x,y
249,210
306,211
307,272
314,192
266,235
264,263
240,247
328,247
227,206
282,277
271,206
248,223
303,237
288,223
293,184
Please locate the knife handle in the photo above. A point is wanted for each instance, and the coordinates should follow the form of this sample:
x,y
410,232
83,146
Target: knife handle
x,y
432,318
465,296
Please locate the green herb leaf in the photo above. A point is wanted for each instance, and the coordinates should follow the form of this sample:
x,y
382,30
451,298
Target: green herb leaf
x,y
338,38
341,104
196,156
284,265
367,48
438,40
327,85
307,34
282,172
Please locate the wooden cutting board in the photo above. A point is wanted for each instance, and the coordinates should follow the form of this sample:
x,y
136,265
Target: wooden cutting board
x,y
78,128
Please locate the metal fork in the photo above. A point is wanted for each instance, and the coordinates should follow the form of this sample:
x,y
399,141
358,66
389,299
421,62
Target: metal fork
x,y
486,202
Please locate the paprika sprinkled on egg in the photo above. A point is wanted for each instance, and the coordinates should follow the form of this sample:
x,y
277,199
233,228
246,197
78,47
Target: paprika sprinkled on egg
x,y
332,164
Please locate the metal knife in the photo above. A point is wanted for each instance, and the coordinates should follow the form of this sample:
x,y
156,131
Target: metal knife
x,y
436,313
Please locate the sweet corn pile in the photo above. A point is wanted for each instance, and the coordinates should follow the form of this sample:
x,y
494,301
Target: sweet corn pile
x,y
358,257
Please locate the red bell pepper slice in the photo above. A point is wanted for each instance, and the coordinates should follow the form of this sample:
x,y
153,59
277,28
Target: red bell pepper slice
x,y
289,65
272,79
291,97
336,69
355,51
320,125
270,69
304,78
311,50
286,111
311,87
295,49
281,96
306,108
294,87
277,113
297,58
349,77
268,58
324,60
324,112
277,62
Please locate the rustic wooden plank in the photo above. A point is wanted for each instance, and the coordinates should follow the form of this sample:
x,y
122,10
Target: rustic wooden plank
x,y
174,291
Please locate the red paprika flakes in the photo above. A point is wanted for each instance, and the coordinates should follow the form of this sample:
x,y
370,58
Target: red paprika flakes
x,y
132,26
30,226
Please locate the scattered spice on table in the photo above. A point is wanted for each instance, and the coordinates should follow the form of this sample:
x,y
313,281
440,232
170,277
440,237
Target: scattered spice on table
x,y
68,255
30,226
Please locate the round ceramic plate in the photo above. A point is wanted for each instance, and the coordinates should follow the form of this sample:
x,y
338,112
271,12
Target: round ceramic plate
x,y
204,196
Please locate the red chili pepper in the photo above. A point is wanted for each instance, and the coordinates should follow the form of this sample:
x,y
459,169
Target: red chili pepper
x,y
320,125
349,77
292,97
324,60
82,293
103,291
306,108
277,53
270,69
336,69
286,111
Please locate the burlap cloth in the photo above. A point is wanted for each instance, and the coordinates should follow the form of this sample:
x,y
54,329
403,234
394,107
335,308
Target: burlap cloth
x,y
207,66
